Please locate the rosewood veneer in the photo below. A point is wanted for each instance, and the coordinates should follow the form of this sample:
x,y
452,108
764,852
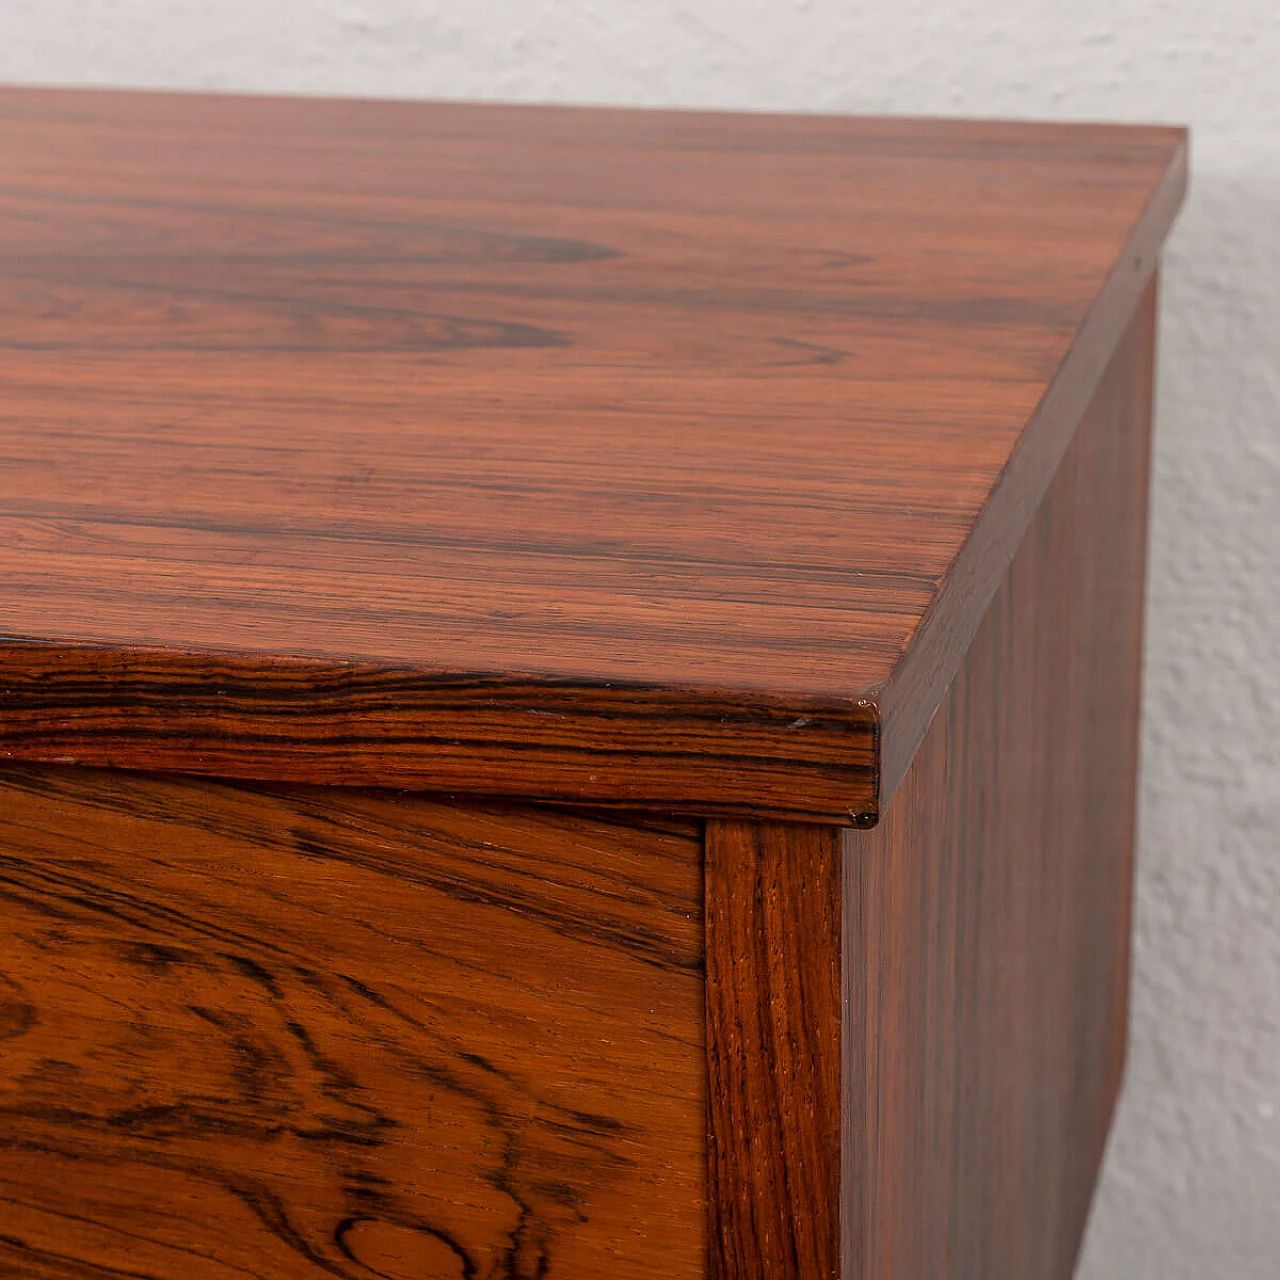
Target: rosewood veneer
x,y
568,687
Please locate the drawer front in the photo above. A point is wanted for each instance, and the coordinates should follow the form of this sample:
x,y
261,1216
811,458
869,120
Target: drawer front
x,y
297,1033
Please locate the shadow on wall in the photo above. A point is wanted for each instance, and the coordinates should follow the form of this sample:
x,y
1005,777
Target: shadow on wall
x,y
1192,1183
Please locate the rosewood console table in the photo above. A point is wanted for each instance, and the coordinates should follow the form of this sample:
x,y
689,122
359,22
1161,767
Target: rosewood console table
x,y
569,683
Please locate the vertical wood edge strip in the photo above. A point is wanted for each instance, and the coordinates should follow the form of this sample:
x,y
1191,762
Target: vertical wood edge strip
x,y
773,942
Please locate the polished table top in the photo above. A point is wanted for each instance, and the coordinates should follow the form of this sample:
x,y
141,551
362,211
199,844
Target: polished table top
x,y
629,457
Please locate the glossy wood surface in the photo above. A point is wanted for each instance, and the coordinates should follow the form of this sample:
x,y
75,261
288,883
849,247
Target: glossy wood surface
x,y
773,911
248,1033
987,918
630,457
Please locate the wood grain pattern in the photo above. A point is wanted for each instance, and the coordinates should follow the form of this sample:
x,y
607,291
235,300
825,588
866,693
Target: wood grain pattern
x,y
773,948
300,1033
987,918
349,724
622,457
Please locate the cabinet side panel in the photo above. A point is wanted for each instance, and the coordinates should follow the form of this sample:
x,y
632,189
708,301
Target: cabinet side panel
x,y
987,919
773,1050
295,1033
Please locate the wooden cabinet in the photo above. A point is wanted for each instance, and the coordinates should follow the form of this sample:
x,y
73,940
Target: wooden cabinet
x,y
569,687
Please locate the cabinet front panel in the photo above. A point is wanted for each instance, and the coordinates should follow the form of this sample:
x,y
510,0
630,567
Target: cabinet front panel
x,y
296,1033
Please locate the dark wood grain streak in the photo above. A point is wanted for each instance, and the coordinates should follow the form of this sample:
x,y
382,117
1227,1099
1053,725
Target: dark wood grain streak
x,y
773,912
987,918
614,457
248,1032
365,726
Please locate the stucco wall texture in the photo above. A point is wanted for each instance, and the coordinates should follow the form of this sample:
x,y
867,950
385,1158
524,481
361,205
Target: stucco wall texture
x,y
1192,1183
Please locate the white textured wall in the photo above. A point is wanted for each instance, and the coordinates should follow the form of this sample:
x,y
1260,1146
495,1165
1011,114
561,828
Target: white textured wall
x,y
1192,1188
